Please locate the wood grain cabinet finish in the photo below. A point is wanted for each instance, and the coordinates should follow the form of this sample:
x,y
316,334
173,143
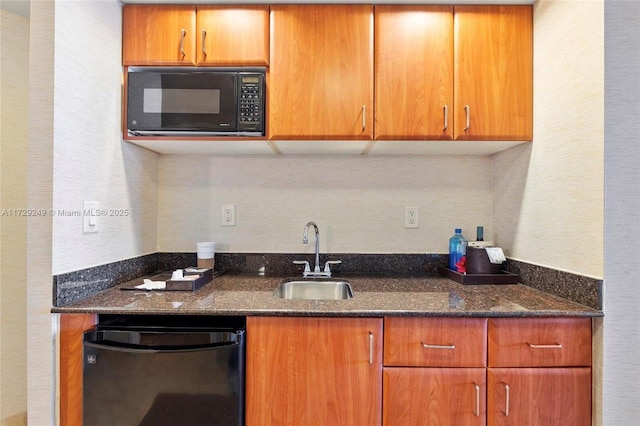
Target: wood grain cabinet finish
x,y
539,396
313,371
321,72
493,69
435,342
549,381
232,35
158,35
539,342
434,396
435,393
72,327
413,72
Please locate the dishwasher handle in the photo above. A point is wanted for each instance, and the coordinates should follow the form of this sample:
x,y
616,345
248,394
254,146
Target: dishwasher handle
x,y
161,341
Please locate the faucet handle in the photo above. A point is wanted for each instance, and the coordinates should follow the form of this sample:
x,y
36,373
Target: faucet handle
x,y
307,268
331,262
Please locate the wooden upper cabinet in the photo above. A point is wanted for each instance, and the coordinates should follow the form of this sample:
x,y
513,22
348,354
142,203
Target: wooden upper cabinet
x,y
158,35
313,371
414,72
493,69
233,35
321,72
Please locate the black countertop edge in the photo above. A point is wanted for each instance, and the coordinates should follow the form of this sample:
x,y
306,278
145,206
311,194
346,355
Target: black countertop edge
x,y
350,313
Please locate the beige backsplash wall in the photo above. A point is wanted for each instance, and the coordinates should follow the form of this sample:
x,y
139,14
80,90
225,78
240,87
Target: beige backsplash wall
x,y
549,196
357,202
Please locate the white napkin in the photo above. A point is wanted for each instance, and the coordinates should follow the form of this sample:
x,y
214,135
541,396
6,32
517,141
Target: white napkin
x,y
147,284
496,255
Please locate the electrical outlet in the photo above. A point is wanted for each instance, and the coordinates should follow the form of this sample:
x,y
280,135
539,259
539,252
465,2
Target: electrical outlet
x,y
411,217
228,215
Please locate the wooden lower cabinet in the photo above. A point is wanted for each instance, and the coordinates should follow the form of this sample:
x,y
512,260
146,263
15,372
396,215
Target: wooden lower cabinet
x,y
72,327
313,371
434,396
539,396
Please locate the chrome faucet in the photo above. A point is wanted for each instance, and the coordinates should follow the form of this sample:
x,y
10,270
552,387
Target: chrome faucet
x,y
305,240
326,273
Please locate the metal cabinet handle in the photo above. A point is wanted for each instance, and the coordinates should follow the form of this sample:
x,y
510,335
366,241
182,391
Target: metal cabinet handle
x,y
446,118
467,115
553,346
430,346
204,37
506,399
183,33
364,117
370,348
477,410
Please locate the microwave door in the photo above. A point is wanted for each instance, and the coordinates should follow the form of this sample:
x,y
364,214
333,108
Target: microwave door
x,y
181,102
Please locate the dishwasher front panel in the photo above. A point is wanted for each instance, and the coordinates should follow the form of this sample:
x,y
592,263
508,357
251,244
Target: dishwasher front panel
x,y
163,377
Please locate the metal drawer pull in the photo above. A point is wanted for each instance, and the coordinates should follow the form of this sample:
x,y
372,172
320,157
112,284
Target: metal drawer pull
x,y
554,346
370,348
477,410
446,118
364,117
467,114
506,402
183,33
204,37
429,346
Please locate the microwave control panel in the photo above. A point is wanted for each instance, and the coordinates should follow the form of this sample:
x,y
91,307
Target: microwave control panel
x,y
251,104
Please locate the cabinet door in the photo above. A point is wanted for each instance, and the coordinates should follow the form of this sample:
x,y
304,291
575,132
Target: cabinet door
x,y
414,72
430,396
233,35
435,342
158,35
493,72
321,72
539,342
72,327
313,371
539,396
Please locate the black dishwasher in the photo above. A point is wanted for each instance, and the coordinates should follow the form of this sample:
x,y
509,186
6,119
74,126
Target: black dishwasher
x,y
164,370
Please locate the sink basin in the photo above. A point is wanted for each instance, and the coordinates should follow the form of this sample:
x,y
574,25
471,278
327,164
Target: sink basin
x,y
314,290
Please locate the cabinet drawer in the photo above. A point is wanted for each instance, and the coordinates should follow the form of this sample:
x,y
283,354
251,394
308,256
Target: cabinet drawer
x,y
539,342
435,342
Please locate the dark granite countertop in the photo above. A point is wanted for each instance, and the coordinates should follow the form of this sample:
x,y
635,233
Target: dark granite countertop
x,y
245,294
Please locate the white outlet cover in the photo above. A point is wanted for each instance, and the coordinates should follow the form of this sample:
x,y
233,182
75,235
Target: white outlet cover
x,y
228,215
411,217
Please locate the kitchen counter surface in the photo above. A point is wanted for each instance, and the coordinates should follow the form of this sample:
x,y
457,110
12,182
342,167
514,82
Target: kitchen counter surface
x,y
373,296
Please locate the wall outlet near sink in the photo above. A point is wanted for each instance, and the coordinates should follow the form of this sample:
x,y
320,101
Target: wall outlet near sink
x,y
411,217
228,215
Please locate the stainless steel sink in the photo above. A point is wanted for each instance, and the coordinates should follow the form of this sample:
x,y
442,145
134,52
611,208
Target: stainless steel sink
x,y
314,290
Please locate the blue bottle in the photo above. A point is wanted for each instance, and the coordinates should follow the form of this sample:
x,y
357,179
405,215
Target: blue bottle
x,y
457,248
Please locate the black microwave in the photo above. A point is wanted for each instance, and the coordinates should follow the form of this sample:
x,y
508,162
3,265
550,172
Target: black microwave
x,y
195,102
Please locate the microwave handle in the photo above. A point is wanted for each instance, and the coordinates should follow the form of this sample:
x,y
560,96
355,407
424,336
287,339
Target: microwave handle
x,y
183,33
204,37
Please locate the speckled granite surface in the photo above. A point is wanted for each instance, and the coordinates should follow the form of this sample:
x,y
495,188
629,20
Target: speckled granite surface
x,y
385,284
245,294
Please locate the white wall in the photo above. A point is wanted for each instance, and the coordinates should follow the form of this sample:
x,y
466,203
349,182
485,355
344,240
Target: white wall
x,y
75,153
357,202
621,392
549,196
90,161
14,91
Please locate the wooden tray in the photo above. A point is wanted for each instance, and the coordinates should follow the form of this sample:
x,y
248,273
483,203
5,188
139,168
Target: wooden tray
x,y
503,277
